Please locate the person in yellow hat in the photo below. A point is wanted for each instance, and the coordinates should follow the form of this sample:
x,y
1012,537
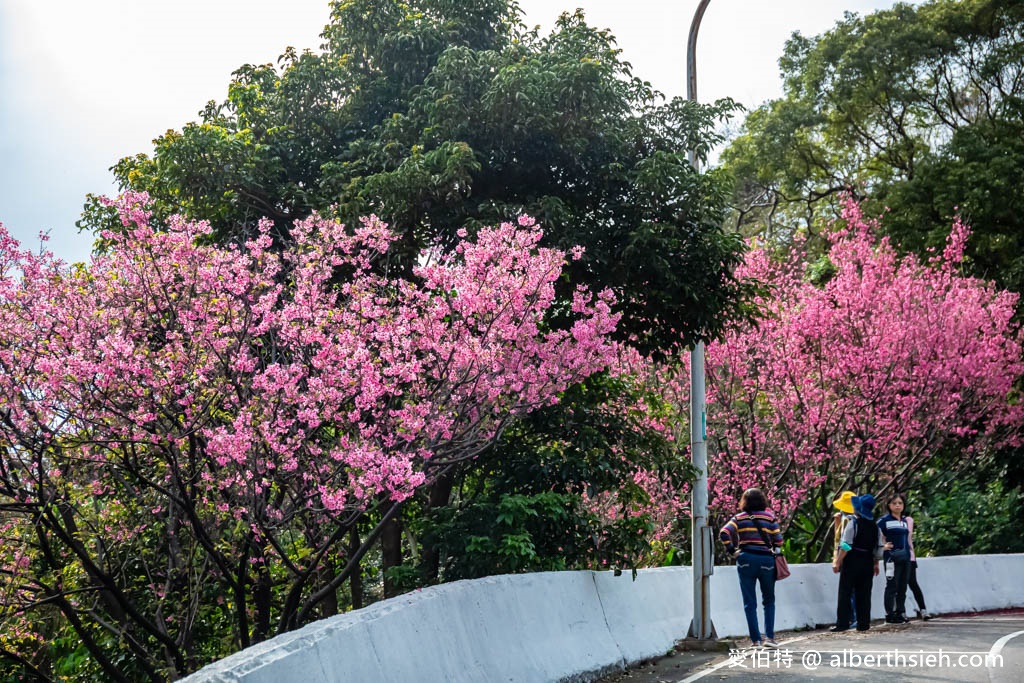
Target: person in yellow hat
x,y
860,552
844,506
844,515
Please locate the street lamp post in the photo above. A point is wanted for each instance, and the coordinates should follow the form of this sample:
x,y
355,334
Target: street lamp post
x,y
703,561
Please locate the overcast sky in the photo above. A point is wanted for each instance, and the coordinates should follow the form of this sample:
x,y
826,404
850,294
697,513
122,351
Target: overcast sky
x,y
86,82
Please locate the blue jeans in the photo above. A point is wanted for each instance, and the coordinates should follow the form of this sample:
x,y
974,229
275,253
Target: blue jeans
x,y
753,568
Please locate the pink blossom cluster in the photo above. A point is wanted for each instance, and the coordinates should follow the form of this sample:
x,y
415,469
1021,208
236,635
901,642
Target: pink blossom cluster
x,y
858,381
255,386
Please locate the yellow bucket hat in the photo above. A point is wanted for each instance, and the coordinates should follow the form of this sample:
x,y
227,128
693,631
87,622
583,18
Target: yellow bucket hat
x,y
845,502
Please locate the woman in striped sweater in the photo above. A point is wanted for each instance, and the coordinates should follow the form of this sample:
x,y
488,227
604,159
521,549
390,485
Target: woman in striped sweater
x,y
753,536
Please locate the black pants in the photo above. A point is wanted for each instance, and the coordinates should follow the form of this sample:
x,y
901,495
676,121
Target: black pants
x,y
916,589
896,590
855,580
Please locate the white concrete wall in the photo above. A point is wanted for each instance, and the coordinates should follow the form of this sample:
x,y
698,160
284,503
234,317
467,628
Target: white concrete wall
x,y
567,626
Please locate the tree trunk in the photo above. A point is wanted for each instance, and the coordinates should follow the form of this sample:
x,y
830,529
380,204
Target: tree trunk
x,y
440,495
356,580
262,602
329,605
391,553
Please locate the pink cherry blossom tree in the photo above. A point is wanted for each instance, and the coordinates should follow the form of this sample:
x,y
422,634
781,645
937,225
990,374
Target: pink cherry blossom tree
x,y
857,381
255,417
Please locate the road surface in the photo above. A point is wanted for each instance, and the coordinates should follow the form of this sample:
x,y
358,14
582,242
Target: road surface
x,y
984,648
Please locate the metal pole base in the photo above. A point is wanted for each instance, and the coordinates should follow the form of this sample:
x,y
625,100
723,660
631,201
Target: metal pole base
x,y
712,644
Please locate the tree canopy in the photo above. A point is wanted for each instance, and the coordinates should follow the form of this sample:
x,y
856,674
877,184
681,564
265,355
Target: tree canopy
x,y
919,110
437,114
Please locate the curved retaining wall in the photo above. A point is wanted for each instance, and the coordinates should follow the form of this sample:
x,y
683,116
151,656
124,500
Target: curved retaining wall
x,y
570,626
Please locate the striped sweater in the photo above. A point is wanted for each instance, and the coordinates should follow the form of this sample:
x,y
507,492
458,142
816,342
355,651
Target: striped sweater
x,y
740,532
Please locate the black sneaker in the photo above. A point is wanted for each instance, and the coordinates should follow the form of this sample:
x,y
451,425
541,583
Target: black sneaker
x,y
838,629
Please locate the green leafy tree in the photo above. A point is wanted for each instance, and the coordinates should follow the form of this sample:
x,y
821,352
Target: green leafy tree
x,y
564,490
440,114
967,517
917,109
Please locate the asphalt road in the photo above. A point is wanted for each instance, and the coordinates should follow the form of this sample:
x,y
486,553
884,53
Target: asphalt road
x,y
984,648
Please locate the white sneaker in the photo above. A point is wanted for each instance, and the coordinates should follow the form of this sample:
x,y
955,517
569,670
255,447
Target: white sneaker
x,y
924,614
